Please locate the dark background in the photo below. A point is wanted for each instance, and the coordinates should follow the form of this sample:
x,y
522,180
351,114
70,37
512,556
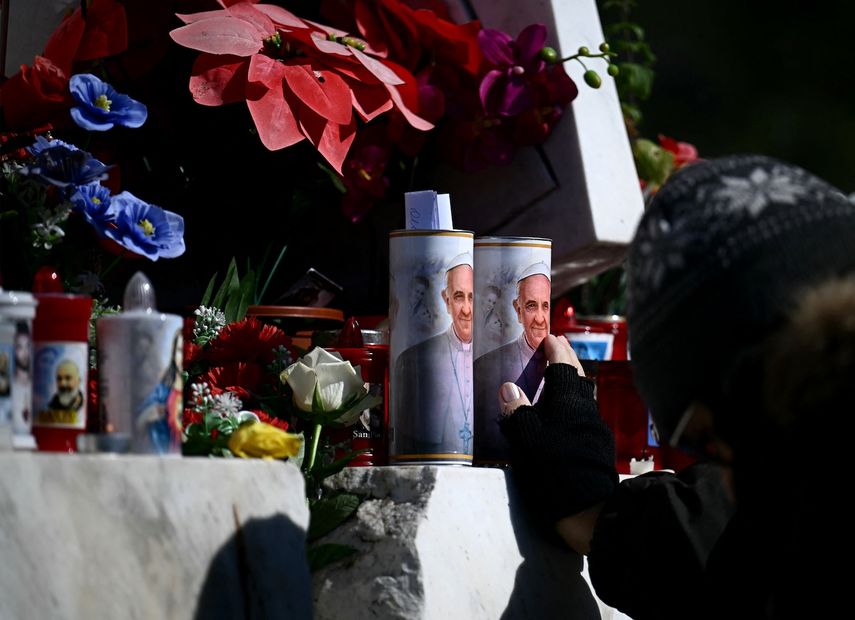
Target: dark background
x,y
770,77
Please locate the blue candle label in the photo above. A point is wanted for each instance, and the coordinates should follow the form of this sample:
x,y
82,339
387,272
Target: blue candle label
x,y
59,384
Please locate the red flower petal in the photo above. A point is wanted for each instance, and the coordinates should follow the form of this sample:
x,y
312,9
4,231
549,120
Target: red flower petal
x,y
106,32
219,35
63,43
217,80
266,101
247,340
323,91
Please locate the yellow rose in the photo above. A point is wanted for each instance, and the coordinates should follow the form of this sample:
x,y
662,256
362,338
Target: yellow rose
x,y
260,440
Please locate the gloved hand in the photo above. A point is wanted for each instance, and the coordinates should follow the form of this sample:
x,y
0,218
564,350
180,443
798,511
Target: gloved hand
x,y
562,452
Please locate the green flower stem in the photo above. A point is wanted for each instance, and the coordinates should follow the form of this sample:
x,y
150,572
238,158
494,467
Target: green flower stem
x,y
313,451
109,267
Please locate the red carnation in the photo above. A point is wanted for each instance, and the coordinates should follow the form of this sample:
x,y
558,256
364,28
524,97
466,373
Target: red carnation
x,y
242,378
247,340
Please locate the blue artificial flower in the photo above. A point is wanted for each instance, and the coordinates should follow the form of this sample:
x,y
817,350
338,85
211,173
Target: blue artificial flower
x,y
43,143
62,164
101,107
146,229
93,200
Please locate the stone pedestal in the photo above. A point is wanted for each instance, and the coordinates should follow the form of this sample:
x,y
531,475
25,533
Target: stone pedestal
x,y
439,543
147,537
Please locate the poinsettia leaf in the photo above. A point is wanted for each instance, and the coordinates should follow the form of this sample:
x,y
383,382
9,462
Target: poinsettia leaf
x,y
280,16
218,79
219,35
320,556
332,140
328,513
370,100
189,18
270,111
377,68
330,47
412,118
250,14
323,91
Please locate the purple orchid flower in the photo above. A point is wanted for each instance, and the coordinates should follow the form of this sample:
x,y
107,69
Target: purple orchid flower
x,y
506,90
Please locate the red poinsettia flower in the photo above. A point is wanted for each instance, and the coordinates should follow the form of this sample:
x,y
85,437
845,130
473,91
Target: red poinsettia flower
x,y
247,340
300,80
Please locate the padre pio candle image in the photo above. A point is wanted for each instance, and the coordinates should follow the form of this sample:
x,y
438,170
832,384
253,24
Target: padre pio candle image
x,y
431,306
512,292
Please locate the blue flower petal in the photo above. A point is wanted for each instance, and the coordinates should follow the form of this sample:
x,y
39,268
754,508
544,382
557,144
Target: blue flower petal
x,y
93,200
63,165
146,229
101,107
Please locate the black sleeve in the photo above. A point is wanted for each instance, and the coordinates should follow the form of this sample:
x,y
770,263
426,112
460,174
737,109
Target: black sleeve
x,y
653,539
562,452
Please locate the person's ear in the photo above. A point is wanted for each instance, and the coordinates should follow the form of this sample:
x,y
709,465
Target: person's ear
x,y
444,296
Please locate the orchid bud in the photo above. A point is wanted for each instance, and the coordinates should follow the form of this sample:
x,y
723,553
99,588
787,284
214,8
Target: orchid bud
x,y
584,51
592,78
549,55
613,70
604,47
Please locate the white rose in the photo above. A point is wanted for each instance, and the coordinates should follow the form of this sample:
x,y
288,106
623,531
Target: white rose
x,y
321,373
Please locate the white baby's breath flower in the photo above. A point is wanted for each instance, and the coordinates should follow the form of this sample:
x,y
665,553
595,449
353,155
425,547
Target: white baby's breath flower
x,y
209,323
226,405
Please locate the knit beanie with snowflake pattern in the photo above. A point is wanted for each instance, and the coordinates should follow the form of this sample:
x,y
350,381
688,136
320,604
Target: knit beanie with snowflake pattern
x,y
715,266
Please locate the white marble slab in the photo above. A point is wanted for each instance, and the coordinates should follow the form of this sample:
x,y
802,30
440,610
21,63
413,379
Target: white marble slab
x,y
440,543
91,536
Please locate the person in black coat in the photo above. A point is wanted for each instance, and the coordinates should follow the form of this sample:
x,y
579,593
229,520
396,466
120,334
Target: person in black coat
x,y
741,302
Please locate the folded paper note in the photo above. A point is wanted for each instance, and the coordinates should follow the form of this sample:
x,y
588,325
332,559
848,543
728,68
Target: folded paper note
x,y
427,210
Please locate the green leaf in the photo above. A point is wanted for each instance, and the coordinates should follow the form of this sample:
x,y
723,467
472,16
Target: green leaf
x,y
335,178
247,294
231,274
635,79
260,294
618,29
209,291
320,556
336,466
330,512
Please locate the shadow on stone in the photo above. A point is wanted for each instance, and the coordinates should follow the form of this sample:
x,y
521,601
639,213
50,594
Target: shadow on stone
x,y
549,582
260,573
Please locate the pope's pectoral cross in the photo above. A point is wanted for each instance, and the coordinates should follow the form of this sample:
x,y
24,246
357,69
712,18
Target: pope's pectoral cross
x,y
465,434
